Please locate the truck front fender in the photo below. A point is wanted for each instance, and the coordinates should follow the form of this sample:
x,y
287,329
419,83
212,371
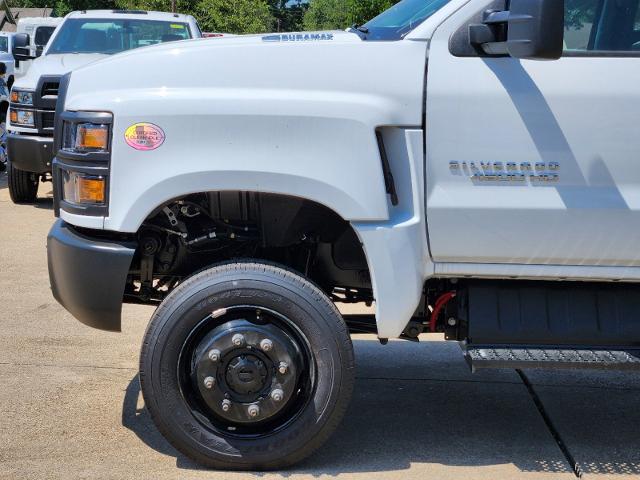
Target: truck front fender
x,y
345,203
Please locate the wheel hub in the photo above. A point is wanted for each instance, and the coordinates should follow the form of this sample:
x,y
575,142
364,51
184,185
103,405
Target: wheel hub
x,y
246,374
237,369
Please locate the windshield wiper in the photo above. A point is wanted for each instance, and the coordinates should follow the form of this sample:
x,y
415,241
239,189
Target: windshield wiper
x,y
359,30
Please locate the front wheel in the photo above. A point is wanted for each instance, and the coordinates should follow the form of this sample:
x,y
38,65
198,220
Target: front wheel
x,y
23,186
247,366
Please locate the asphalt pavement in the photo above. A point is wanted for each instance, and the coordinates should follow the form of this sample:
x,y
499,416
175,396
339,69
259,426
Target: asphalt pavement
x,y
70,405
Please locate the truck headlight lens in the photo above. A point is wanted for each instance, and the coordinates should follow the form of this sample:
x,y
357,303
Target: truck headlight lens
x,y
85,137
23,118
22,97
82,189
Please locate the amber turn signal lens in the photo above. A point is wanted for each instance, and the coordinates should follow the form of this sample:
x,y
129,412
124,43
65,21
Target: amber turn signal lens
x,y
13,116
92,137
90,190
14,97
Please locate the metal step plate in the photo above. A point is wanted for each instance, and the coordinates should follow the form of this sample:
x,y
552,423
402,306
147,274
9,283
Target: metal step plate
x,y
544,357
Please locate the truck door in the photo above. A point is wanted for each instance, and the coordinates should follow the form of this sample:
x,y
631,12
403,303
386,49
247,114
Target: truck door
x,y
537,162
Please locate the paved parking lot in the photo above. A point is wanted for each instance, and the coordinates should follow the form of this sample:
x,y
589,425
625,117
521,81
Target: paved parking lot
x,y
70,405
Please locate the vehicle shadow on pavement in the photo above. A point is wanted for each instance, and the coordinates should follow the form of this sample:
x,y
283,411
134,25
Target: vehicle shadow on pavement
x,y
3,180
402,413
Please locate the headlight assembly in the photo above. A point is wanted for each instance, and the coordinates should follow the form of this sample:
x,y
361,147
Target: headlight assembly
x,y
22,118
22,97
81,189
85,137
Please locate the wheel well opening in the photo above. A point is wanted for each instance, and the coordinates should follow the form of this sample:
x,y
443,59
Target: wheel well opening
x,y
190,233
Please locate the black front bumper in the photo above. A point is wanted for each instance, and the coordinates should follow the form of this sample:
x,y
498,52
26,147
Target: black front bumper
x,y
88,275
30,153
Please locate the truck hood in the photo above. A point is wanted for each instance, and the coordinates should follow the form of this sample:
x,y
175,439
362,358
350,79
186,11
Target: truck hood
x,y
56,64
311,70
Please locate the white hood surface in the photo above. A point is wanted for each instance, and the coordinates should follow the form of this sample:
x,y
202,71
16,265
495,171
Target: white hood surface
x,y
55,64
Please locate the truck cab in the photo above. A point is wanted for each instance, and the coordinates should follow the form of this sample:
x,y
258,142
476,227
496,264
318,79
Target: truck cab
x,y
38,30
81,38
463,167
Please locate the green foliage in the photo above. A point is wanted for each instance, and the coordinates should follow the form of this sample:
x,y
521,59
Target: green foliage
x,y
242,16
340,14
237,16
229,16
288,14
579,12
62,7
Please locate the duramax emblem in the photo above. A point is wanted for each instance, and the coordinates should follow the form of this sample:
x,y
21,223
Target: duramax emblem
x,y
513,172
298,37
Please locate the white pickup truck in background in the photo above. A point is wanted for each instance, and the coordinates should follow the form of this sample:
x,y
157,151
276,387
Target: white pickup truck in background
x,y
465,166
81,38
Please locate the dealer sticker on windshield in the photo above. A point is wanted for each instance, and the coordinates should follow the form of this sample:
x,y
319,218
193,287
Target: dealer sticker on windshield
x,y
144,136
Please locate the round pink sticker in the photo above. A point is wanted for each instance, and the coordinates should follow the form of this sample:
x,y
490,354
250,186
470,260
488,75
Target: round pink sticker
x,y
144,136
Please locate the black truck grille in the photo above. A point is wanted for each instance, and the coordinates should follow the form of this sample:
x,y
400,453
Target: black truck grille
x,y
50,89
45,103
47,120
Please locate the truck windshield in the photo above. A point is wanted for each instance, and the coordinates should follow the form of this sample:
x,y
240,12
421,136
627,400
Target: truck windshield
x,y
79,35
399,20
4,44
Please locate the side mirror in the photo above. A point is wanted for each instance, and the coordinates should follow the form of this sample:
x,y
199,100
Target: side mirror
x,y
530,29
20,49
535,29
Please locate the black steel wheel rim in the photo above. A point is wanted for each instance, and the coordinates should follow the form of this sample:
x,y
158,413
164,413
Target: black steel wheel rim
x,y
246,375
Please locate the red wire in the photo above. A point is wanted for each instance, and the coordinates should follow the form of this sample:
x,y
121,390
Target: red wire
x,y
440,303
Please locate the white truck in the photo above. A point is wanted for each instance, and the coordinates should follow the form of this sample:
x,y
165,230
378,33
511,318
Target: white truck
x,y
465,166
82,37
39,31
6,57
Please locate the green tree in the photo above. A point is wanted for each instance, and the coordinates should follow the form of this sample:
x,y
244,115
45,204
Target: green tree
x,y
236,16
288,14
62,7
340,14
228,16
579,12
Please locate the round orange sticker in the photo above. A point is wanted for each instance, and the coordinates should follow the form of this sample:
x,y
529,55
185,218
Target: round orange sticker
x,y
144,136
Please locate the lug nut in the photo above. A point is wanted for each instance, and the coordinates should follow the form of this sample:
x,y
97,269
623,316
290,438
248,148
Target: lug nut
x,y
266,345
209,382
238,339
277,395
253,410
214,355
226,405
283,368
